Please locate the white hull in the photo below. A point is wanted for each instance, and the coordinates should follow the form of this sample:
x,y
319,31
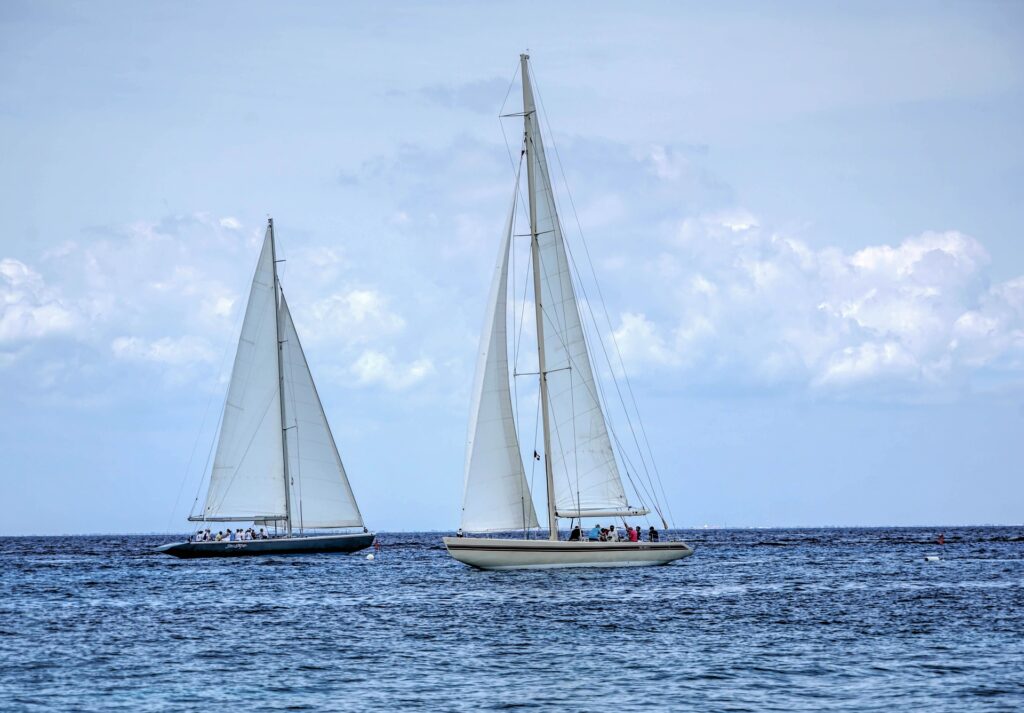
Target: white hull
x,y
494,553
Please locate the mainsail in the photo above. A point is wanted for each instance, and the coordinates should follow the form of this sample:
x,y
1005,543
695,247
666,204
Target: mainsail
x,y
247,480
496,496
321,495
586,476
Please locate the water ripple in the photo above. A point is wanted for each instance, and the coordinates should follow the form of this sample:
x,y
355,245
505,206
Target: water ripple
x,y
780,620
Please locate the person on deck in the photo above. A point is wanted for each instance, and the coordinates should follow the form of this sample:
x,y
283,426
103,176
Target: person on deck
x,y
652,534
634,533
595,533
613,536
263,534
575,535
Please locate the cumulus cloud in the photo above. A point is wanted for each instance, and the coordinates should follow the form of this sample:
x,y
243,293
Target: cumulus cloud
x,y
737,301
170,351
358,315
167,296
28,308
375,367
640,342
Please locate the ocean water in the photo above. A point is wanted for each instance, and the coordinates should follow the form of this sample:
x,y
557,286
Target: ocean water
x,y
756,620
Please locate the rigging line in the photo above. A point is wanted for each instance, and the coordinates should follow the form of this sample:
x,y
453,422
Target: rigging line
x,y
516,172
542,165
517,337
522,316
622,451
290,376
608,321
209,455
508,92
627,463
573,365
597,284
558,334
206,412
575,441
560,327
504,136
515,346
571,265
561,450
642,490
191,456
533,460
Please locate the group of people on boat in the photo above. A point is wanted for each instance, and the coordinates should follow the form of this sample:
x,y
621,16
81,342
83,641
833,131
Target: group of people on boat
x,y
610,534
229,535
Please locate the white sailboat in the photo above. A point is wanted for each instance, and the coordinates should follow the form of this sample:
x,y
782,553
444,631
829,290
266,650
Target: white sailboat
x,y
276,464
582,475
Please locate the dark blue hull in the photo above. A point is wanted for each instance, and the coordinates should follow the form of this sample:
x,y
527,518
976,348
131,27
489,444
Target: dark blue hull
x,y
275,546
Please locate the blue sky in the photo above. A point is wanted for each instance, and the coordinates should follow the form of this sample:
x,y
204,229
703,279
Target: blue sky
x,y
806,222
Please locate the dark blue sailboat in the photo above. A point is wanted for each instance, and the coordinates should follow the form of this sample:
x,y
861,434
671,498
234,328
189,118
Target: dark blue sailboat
x,y
277,465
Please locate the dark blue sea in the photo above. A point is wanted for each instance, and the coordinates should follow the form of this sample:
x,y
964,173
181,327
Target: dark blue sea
x,y
756,620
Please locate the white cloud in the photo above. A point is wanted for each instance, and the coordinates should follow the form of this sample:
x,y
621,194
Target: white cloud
x,y
868,361
375,367
28,308
167,295
640,344
230,223
356,316
169,351
732,300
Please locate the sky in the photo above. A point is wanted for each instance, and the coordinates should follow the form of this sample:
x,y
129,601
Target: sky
x,y
805,221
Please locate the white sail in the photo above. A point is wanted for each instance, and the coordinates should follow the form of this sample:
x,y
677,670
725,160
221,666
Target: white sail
x,y
320,492
586,476
496,496
247,480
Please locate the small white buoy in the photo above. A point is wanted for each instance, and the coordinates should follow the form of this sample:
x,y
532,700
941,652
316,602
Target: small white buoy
x,y
931,558
370,556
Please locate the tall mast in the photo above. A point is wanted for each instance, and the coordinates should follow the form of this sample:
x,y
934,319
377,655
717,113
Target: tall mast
x,y
530,127
280,381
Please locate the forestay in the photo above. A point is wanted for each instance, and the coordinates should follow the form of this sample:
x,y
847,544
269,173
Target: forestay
x,y
247,480
585,473
321,495
496,496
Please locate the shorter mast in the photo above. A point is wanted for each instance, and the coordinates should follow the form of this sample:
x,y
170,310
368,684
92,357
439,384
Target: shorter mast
x,y
280,381
529,119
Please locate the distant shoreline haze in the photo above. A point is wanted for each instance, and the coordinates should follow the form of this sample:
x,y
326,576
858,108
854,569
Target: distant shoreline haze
x,y
791,528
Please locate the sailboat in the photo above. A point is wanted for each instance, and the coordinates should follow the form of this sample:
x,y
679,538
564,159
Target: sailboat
x,y
581,472
276,464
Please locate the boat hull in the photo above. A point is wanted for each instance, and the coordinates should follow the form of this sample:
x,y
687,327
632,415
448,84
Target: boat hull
x,y
274,546
493,553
